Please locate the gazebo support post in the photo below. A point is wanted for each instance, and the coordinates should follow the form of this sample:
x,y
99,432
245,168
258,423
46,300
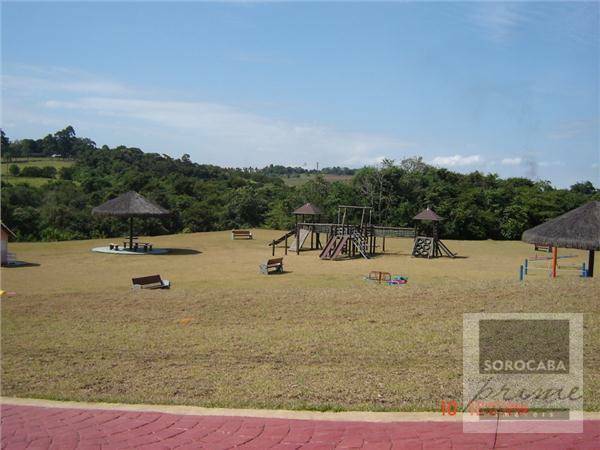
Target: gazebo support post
x,y
554,258
590,271
131,233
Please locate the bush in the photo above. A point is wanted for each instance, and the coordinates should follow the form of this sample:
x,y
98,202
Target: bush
x,y
31,171
38,172
14,170
66,173
49,172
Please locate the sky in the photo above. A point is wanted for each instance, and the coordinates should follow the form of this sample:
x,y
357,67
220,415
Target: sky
x,y
508,88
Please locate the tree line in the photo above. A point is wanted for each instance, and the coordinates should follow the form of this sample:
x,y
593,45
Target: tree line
x,y
204,197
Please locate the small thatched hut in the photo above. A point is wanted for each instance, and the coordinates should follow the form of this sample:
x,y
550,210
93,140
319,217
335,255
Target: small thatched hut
x,y
308,209
579,228
428,214
130,205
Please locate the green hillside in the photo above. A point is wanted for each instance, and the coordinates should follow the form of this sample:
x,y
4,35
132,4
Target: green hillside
x,y
21,163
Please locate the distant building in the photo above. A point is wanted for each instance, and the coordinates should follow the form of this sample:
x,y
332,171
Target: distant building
x,y
5,232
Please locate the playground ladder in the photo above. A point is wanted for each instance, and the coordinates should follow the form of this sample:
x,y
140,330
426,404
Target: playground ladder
x,y
359,242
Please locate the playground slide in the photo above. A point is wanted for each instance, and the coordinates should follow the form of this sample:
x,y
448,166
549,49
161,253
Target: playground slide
x,y
334,247
340,247
282,238
303,235
327,250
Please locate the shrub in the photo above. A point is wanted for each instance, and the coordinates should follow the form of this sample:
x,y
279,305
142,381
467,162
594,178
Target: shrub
x,y
14,170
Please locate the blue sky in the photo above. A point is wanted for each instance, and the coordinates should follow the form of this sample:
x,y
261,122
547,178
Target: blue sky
x,y
511,88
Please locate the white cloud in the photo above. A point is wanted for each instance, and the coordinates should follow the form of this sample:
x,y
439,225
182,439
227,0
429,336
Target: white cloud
x,y
511,161
210,132
498,20
554,163
225,133
31,79
457,160
573,129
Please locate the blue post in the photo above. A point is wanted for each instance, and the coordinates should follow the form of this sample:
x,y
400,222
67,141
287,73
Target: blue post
x,y
526,266
583,271
521,273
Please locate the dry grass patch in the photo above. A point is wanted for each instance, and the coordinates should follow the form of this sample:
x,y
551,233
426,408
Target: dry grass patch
x,y
316,337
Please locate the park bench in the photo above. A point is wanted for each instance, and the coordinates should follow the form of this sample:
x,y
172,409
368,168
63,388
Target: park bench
x,y
146,246
150,282
273,263
241,234
542,248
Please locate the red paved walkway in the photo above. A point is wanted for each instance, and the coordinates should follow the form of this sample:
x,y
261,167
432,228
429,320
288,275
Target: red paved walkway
x,y
34,427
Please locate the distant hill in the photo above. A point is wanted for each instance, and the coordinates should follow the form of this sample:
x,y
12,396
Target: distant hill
x,y
52,198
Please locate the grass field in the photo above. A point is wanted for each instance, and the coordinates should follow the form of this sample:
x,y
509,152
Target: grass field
x,y
303,178
316,337
32,162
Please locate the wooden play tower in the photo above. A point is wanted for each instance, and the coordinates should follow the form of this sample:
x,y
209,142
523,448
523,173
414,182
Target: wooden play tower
x,y
430,246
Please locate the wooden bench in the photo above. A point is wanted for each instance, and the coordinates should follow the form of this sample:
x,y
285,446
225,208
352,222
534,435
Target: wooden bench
x,y
146,246
150,282
542,248
273,263
241,234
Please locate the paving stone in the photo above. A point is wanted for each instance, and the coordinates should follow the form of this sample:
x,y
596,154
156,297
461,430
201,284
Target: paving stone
x,y
70,429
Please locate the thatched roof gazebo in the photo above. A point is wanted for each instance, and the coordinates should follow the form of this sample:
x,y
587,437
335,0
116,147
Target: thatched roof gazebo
x,y
308,209
578,228
130,205
428,214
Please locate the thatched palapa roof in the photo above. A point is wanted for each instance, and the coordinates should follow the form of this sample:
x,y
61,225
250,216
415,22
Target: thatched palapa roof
x,y
428,214
579,228
308,209
130,204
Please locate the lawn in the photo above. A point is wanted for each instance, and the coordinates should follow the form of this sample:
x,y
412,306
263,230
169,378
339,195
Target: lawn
x,y
32,162
316,337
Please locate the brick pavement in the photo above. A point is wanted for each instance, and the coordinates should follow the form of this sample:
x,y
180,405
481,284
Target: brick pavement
x,y
35,427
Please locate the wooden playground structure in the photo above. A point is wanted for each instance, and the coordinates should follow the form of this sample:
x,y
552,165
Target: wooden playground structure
x,y
354,234
430,246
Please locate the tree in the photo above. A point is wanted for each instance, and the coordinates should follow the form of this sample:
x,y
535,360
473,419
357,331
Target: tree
x,y
586,188
8,150
514,222
14,170
66,173
5,146
65,140
205,197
